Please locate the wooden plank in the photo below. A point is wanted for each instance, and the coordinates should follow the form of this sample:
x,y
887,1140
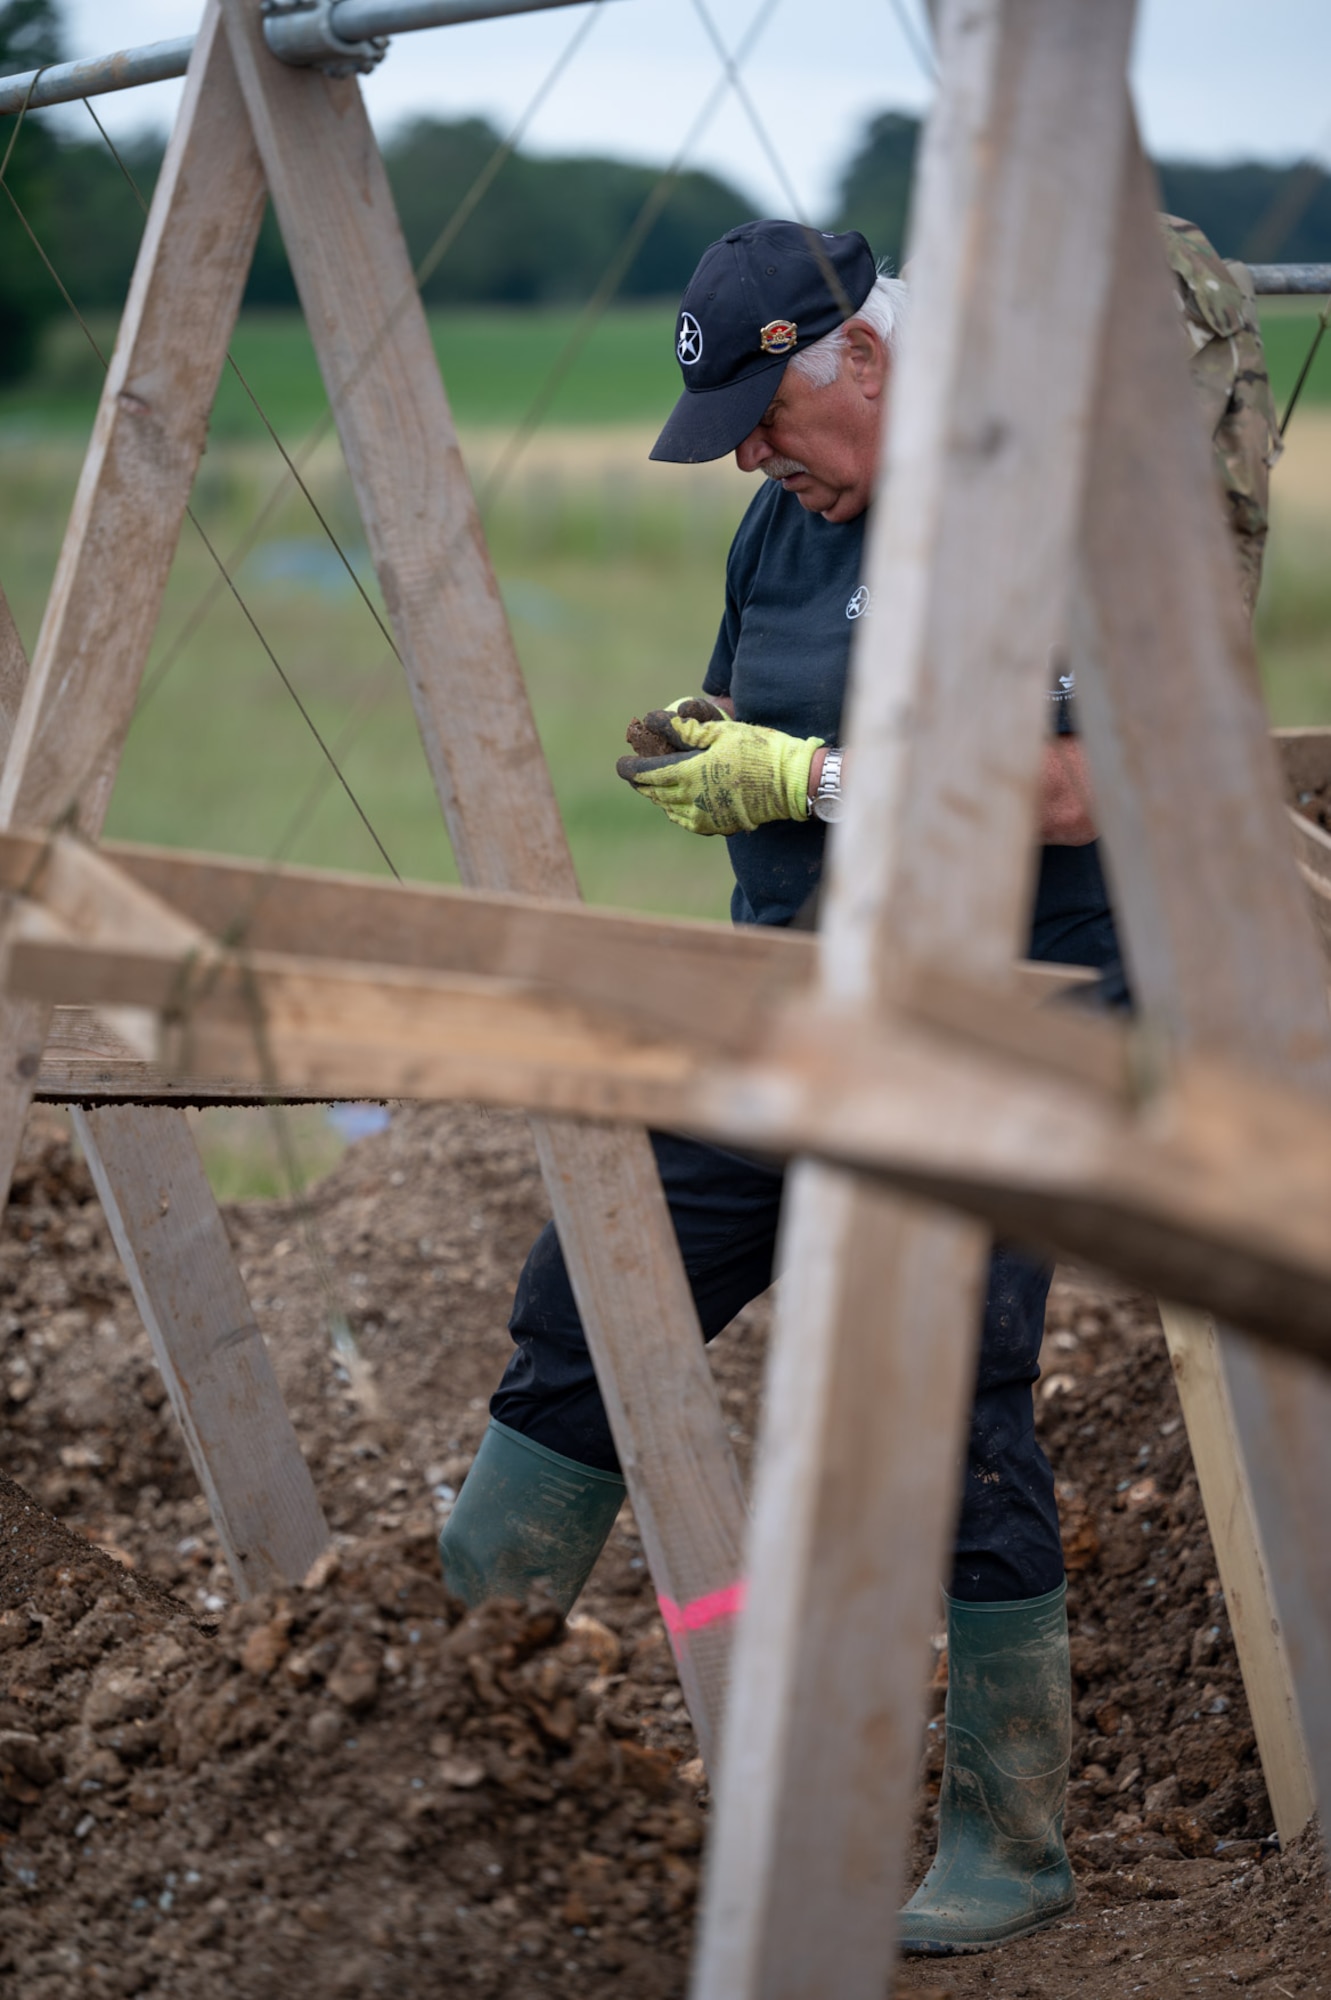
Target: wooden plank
x,y
662,967
875,1339
1217,1456
354,277
1153,1142
86,1061
92,897
1214,916
665,962
1195,1177
61,751
658,967
210,1352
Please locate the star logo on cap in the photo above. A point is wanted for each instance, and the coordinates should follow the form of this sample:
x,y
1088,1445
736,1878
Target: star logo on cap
x,y
778,336
688,342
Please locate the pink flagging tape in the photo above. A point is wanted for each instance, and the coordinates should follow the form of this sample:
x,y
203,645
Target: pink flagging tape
x,y
703,1611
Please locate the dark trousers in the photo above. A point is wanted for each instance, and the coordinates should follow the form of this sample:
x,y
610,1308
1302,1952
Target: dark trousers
x,y
725,1209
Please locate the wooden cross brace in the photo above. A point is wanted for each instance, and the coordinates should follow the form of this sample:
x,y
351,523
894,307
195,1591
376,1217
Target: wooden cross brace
x,y
1046,483
1190,1175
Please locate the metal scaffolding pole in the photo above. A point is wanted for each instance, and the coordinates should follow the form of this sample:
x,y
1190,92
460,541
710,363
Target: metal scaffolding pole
x,y
340,35
1307,280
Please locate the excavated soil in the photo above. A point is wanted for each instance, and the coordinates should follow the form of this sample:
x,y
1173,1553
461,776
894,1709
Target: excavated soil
x,y
353,1784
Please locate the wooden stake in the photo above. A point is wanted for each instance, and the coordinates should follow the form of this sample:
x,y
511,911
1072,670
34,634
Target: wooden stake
x,y
369,330
1245,1573
60,763
212,1356
1213,914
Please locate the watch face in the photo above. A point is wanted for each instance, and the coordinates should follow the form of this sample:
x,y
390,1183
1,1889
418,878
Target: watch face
x,y
827,801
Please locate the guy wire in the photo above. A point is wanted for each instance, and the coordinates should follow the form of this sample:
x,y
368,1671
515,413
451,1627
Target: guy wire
x,y
429,263
1322,319
590,316
199,530
18,122
775,161
262,414
291,689
916,40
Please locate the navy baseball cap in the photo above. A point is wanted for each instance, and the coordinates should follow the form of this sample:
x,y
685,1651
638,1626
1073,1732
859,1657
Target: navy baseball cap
x,y
761,293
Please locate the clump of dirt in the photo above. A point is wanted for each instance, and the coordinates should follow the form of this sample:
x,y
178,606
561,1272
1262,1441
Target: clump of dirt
x,y
299,1782
357,1783
645,742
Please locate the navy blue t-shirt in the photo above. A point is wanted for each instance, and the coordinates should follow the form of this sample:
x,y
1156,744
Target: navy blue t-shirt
x,y
795,591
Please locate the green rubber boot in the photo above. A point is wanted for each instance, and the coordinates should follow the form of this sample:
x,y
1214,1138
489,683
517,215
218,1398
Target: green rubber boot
x,y
1001,1868
525,1515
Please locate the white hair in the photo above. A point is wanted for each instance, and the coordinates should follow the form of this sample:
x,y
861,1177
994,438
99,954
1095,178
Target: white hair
x,y
884,310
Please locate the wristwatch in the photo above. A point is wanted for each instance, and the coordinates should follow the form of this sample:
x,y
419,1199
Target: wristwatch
x,y
827,802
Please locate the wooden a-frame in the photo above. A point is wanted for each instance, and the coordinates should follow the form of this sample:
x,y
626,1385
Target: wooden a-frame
x,y
1044,475
1045,472
248,122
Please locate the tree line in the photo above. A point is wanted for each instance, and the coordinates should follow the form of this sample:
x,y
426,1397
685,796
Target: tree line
x,y
546,230
1260,213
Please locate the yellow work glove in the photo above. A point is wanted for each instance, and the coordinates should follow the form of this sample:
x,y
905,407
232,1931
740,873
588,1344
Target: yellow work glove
x,y
724,777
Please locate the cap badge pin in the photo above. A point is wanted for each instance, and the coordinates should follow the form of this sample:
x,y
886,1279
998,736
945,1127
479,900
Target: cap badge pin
x,y
778,336
688,343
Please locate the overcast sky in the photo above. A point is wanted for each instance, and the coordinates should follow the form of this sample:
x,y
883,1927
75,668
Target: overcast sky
x,y
1208,85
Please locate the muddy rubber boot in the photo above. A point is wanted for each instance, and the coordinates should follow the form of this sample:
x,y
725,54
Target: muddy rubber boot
x,y
1001,1868
526,1515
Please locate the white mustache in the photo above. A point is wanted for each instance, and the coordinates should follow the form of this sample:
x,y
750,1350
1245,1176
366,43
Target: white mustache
x,y
781,468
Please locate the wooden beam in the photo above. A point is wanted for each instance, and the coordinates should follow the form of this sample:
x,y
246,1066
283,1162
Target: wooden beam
x,y
1245,1572
661,963
151,426
1195,1178
664,969
370,334
1215,922
874,1349
216,1368
86,1061
62,738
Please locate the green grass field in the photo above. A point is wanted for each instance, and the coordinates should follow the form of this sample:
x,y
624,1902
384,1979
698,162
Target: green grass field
x,y
611,570
496,361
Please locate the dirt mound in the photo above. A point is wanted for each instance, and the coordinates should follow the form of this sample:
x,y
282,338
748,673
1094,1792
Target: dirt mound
x,y
300,1782
353,1782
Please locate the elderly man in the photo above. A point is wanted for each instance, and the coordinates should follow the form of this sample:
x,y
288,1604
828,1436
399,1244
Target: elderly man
x,y
785,340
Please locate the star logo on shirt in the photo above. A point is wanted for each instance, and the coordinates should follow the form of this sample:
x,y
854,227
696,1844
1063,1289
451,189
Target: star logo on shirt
x,y
861,602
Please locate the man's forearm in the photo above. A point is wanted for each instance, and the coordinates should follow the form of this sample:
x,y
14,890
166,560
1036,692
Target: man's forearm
x,y
1065,816
1066,808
